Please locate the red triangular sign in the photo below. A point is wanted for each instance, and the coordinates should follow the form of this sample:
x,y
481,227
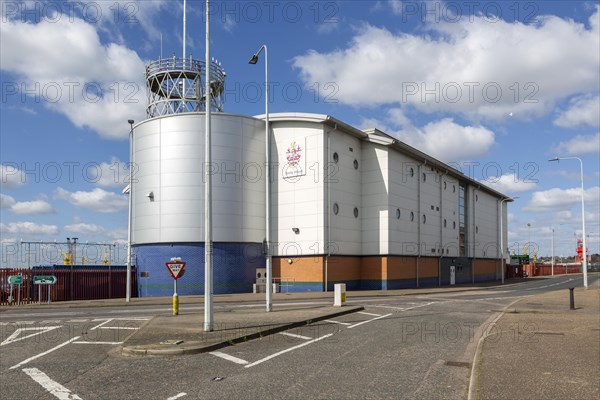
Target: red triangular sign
x,y
175,268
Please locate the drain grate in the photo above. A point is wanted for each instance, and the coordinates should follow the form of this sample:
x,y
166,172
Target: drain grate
x,y
458,364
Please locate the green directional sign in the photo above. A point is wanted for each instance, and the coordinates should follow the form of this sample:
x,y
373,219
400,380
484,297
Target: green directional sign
x,y
15,280
44,280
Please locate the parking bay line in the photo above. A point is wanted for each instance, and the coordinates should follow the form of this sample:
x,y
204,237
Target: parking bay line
x,y
369,320
336,322
86,342
287,350
228,357
53,387
46,352
368,313
294,335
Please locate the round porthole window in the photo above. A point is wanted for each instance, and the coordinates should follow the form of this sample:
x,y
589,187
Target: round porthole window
x,y
424,177
444,185
444,223
336,158
336,208
453,224
397,213
412,172
412,216
355,164
424,218
355,212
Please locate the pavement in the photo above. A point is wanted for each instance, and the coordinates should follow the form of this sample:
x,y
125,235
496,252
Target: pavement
x,y
540,349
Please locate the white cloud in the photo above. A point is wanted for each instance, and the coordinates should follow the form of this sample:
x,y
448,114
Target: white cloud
x,y
444,139
11,176
464,63
28,228
97,199
558,199
32,207
580,144
86,229
113,174
25,207
6,201
96,86
583,110
509,183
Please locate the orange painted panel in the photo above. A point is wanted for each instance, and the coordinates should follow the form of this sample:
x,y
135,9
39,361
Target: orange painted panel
x,y
485,267
428,267
402,267
373,268
343,268
302,269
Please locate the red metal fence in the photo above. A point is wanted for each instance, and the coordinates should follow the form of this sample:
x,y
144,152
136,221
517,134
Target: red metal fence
x,y
71,284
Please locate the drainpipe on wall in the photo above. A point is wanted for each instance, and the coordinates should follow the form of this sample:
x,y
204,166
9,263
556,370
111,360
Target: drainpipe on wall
x,y
419,216
328,206
441,227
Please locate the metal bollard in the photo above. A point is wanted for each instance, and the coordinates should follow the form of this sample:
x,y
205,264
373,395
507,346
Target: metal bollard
x,y
572,298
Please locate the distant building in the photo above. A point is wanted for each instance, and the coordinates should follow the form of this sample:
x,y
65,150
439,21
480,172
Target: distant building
x,y
347,205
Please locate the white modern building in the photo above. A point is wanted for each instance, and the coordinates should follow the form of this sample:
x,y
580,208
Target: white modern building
x,y
347,205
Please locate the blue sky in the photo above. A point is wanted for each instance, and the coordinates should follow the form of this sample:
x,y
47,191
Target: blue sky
x,y
494,88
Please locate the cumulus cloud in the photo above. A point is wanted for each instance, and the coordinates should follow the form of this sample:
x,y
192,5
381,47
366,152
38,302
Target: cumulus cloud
x,y
559,199
86,229
25,207
28,228
97,199
583,110
509,183
11,176
113,174
444,139
580,144
468,67
95,86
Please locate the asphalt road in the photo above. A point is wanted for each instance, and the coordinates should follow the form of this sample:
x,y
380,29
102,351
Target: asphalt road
x,y
419,346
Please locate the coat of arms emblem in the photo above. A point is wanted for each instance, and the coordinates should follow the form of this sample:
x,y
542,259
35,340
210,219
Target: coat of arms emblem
x,y
293,154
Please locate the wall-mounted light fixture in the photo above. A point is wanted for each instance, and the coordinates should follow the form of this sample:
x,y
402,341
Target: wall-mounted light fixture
x,y
296,230
290,261
150,195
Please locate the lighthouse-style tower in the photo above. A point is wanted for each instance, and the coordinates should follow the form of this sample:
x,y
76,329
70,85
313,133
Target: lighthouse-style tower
x,y
168,183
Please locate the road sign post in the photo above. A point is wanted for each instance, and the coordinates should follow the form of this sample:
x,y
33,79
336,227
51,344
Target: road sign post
x,y
47,280
175,268
15,280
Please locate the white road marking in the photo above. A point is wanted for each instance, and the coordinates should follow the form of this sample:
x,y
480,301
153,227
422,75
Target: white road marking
x,y
228,357
369,320
45,352
119,327
42,329
337,322
53,387
85,342
287,350
403,308
18,323
368,313
77,320
99,325
295,335
177,396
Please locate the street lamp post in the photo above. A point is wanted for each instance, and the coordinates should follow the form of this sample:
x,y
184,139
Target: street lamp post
x,y
552,251
130,216
208,240
269,290
502,233
584,260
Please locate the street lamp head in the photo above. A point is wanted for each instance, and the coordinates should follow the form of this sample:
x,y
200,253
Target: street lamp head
x,y
254,59
130,121
554,159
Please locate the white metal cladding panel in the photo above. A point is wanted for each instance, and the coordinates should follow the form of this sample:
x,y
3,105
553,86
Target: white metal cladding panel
x,y
487,224
375,198
170,154
450,214
297,200
345,190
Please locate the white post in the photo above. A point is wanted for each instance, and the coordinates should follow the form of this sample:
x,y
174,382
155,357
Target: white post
x,y
339,295
269,264
208,262
552,251
130,215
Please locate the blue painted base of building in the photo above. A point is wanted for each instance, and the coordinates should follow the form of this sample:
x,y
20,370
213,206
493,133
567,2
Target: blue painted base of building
x,y
234,268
